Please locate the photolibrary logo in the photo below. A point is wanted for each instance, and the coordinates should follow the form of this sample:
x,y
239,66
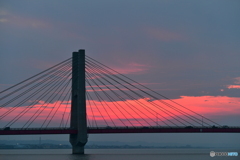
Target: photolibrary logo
x,y
213,154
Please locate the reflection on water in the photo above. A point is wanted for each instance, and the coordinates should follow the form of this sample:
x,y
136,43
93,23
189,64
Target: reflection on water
x,y
114,154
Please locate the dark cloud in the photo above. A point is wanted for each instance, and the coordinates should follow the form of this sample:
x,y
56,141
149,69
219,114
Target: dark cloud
x,y
190,46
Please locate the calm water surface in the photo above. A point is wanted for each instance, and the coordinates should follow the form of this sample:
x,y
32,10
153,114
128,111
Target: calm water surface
x,y
114,154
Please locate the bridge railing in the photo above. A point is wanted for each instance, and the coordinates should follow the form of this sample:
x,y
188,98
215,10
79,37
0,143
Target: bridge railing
x,y
109,127
155,127
50,128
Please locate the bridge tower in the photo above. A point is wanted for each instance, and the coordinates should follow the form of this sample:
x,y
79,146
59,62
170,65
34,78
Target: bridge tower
x,y
78,105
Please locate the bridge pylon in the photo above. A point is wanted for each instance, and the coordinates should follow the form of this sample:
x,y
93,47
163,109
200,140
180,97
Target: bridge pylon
x,y
78,104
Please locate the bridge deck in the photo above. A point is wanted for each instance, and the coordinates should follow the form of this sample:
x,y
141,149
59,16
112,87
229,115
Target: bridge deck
x,y
104,130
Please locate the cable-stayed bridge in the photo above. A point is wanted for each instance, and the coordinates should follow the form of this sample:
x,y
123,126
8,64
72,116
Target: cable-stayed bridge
x,y
81,96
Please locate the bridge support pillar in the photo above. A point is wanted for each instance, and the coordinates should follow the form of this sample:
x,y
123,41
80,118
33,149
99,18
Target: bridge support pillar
x,y
78,105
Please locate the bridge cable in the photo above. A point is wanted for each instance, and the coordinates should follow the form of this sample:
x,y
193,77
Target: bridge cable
x,y
165,109
35,75
54,95
109,97
33,81
153,91
143,98
69,91
45,93
98,109
22,102
32,88
155,105
66,105
35,102
135,99
90,106
32,95
66,85
68,119
127,103
99,99
145,92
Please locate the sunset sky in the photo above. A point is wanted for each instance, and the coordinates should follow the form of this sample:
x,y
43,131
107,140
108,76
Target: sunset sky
x,y
186,50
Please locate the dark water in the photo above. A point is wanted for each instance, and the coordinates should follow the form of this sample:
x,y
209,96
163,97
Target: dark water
x,y
115,154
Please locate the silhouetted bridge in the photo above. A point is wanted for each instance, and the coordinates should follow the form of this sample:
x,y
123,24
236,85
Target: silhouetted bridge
x,y
81,95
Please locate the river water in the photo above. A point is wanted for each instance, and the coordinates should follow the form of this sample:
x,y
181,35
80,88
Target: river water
x,y
115,154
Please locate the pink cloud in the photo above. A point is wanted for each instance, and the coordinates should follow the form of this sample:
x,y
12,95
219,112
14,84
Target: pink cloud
x,y
132,68
233,86
208,106
236,84
127,68
237,80
211,104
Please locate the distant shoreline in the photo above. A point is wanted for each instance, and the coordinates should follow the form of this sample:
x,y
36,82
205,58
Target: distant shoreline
x,y
63,146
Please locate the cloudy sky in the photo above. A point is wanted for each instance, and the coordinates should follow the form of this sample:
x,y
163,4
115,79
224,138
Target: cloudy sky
x,y
186,50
